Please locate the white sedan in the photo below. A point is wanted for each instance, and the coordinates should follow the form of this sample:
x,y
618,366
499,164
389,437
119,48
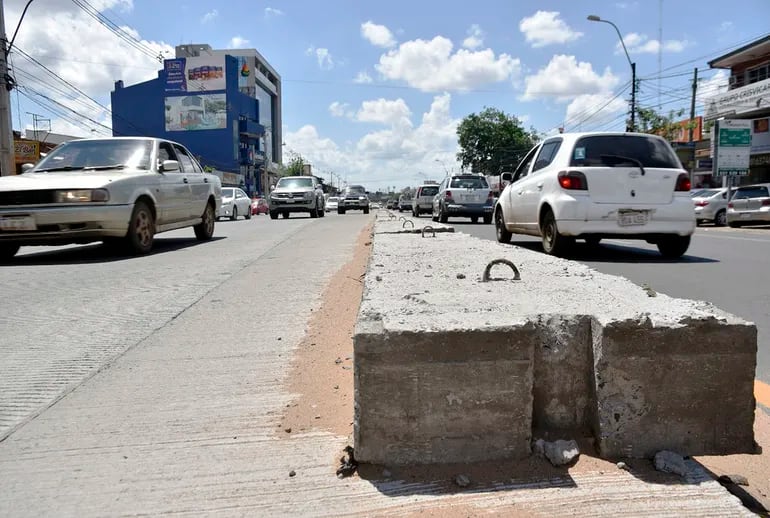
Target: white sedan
x,y
593,186
235,202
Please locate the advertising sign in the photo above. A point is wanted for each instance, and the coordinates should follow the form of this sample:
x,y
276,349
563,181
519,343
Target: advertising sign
x,y
196,112
744,99
733,147
26,151
197,74
760,136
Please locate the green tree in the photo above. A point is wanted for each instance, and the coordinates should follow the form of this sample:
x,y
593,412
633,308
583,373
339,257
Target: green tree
x,y
492,141
667,126
296,165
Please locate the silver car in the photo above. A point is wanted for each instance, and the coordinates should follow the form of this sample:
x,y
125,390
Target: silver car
x,y
463,195
750,205
121,190
297,194
235,202
711,206
423,199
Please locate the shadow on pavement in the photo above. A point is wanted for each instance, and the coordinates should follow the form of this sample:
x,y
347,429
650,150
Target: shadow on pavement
x,y
612,253
99,253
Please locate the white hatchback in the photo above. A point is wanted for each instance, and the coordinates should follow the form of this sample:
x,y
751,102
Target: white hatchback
x,y
593,186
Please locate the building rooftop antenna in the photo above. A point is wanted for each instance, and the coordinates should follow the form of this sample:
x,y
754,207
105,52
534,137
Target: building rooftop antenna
x,y
660,48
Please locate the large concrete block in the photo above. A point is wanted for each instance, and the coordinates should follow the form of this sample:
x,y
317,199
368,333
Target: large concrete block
x,y
686,387
442,397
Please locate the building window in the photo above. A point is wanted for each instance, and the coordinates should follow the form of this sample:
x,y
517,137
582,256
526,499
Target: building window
x,y
757,74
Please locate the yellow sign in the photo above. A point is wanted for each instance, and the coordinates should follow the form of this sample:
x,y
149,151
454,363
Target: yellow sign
x,y
26,151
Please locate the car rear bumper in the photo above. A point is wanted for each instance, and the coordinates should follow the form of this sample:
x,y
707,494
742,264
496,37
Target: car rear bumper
x,y
71,224
467,209
748,216
581,218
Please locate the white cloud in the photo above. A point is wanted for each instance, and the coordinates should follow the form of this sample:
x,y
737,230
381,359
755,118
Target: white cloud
x,y
715,85
640,44
546,28
363,77
565,78
323,56
431,66
402,155
271,11
338,109
589,111
377,35
237,42
90,57
210,16
475,38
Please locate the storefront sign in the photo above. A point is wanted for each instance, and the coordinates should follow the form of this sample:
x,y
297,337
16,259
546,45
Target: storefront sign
x,y
760,136
26,151
758,160
740,100
176,80
733,146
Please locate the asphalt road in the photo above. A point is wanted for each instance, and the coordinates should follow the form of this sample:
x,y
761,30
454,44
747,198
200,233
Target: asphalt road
x,y
728,267
70,311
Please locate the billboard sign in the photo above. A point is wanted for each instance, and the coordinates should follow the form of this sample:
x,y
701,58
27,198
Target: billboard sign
x,y
733,147
197,74
739,100
26,151
196,112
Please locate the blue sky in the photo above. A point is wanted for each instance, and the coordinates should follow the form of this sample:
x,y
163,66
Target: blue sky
x,y
373,91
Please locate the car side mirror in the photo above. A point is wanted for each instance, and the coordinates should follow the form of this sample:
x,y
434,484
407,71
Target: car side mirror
x,y
169,165
26,167
506,177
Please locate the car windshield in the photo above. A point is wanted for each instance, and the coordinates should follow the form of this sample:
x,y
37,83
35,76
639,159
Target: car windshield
x,y
227,192
429,191
706,193
291,183
469,182
607,151
79,155
355,189
751,192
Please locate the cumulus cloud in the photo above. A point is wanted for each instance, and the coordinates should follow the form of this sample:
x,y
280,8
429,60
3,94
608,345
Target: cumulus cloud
x,y
640,44
363,77
432,66
377,35
385,111
338,109
323,56
546,28
564,78
589,111
238,42
475,38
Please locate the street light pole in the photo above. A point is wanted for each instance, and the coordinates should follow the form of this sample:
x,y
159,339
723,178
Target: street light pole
x,y
632,125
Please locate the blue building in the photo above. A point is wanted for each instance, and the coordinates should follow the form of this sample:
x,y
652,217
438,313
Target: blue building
x,y
208,104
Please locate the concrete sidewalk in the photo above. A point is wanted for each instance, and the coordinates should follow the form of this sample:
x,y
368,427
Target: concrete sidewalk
x,y
184,423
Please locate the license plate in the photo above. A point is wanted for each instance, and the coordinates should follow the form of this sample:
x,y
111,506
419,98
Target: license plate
x,y
19,223
745,215
632,218
289,200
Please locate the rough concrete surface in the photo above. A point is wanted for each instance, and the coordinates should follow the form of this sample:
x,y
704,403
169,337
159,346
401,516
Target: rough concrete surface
x,y
643,373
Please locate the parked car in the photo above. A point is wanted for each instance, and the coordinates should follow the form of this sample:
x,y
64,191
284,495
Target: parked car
x,y
711,206
404,203
463,195
259,206
332,203
392,204
593,186
120,190
750,205
422,203
235,202
354,197
297,194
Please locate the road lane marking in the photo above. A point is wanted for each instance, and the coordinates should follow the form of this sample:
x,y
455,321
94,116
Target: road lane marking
x,y
762,393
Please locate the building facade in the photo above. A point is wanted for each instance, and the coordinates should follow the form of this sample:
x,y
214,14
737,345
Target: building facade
x,y
748,97
208,100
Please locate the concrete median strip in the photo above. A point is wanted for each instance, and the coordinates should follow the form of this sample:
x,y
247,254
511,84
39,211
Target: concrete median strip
x,y
452,369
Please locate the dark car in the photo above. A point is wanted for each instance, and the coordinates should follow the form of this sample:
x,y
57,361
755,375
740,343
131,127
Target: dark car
x,y
354,197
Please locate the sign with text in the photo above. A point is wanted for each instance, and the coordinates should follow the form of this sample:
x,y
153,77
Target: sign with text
x,y
26,151
733,147
196,74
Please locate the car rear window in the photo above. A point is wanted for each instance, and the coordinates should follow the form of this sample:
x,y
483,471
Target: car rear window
x,y
650,151
469,182
751,192
428,191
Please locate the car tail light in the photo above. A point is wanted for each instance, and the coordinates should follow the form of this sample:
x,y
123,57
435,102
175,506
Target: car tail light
x,y
766,203
573,181
448,195
730,205
683,183
701,203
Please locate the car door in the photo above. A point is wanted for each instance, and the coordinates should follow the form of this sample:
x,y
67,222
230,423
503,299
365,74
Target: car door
x,y
173,189
532,186
199,185
242,202
515,215
188,207
758,198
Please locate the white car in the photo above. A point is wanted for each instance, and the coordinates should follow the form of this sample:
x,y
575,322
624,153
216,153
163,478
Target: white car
x,y
235,202
122,190
332,203
593,186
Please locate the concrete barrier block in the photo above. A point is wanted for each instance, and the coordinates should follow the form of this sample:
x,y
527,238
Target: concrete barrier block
x,y
442,397
686,387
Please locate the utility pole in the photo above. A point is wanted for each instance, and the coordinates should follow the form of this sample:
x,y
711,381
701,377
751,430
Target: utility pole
x,y
7,160
632,126
692,122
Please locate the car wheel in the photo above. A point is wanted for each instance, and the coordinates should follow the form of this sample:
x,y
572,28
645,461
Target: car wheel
x,y
205,229
553,242
474,219
442,217
273,214
673,247
366,210
141,229
7,251
433,215
248,213
314,211
721,218
487,219
234,215
503,236
285,215
593,241
340,211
